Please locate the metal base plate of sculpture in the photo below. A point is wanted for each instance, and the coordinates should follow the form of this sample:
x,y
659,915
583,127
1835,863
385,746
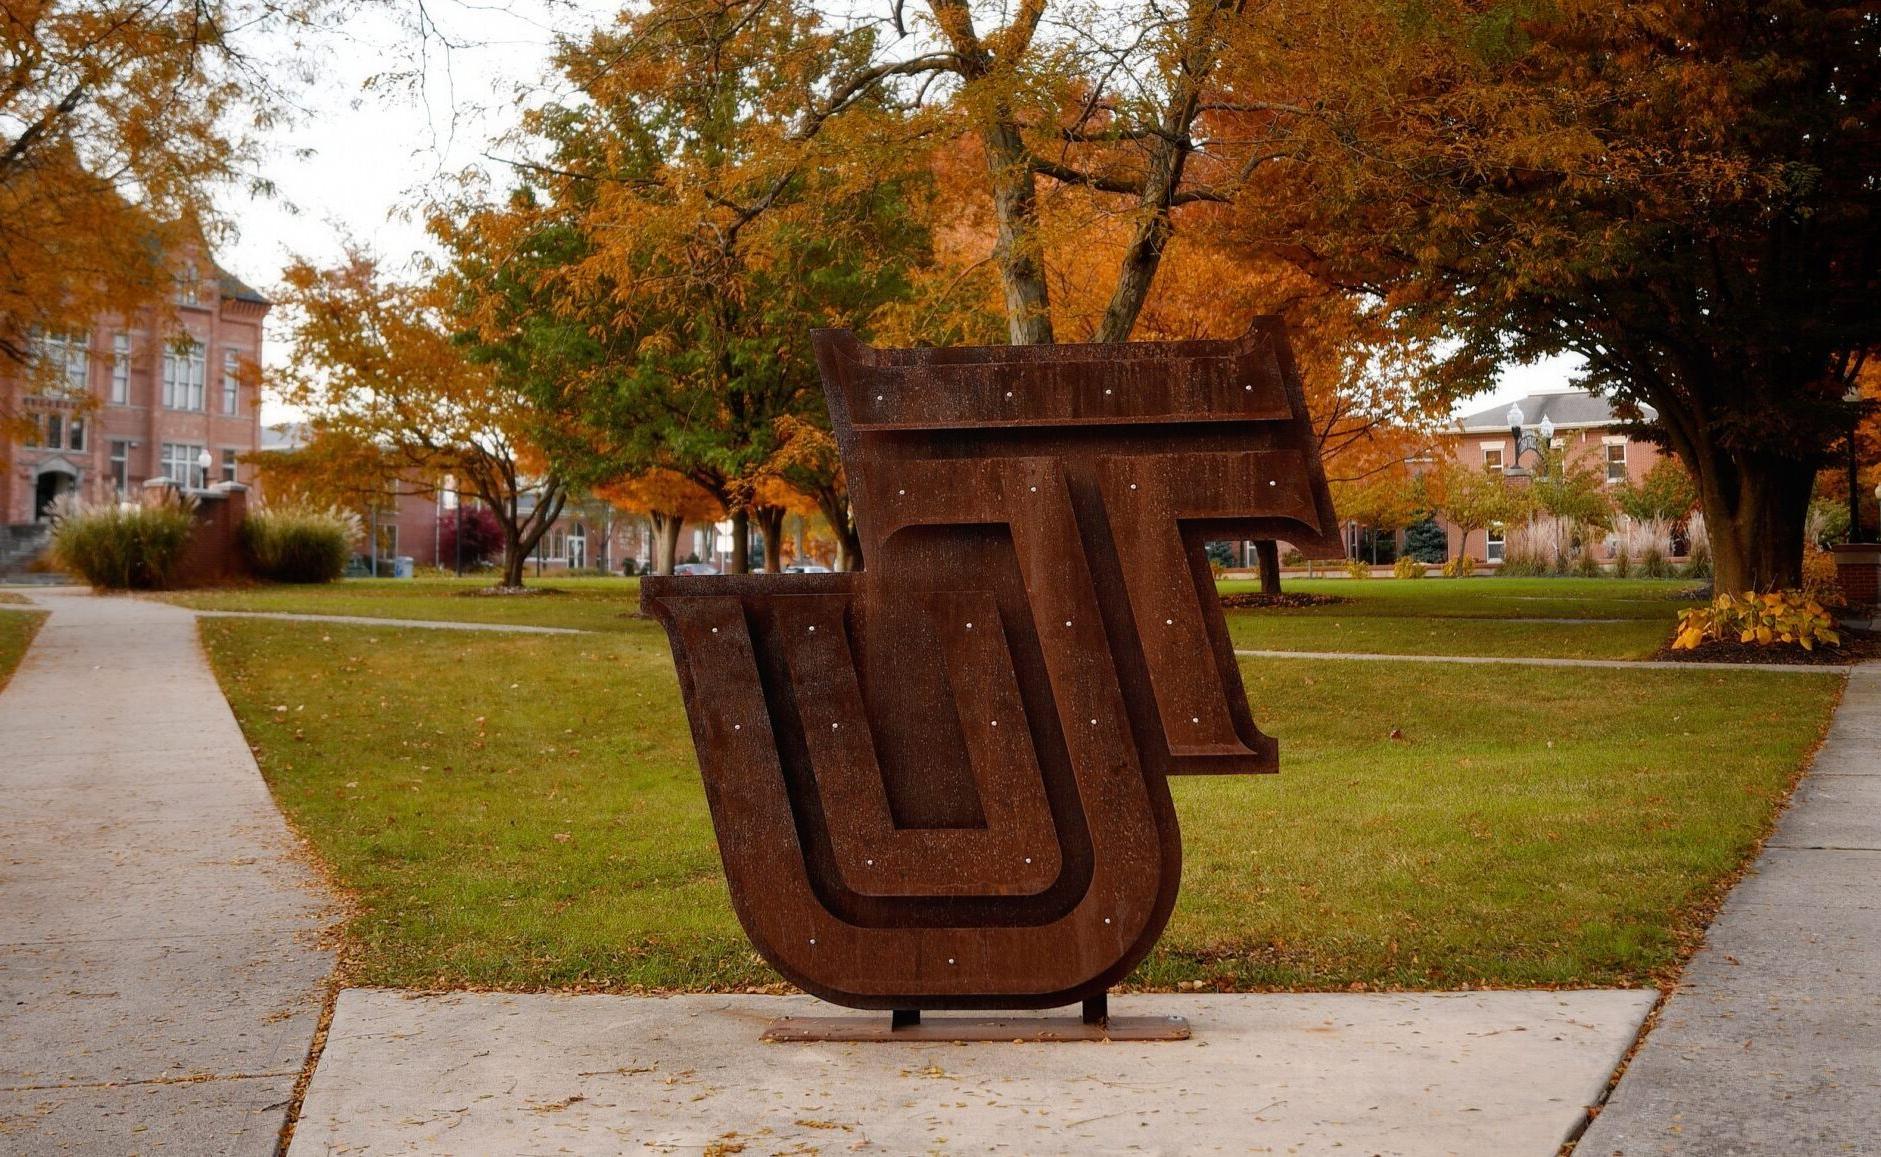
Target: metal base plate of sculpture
x,y
940,782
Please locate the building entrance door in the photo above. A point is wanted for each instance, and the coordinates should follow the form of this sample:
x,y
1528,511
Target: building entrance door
x,y
48,488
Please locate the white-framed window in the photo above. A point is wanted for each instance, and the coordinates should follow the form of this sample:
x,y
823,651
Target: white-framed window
x,y
121,467
1492,458
121,368
183,372
68,357
189,288
1615,452
578,548
231,381
1494,544
180,464
229,464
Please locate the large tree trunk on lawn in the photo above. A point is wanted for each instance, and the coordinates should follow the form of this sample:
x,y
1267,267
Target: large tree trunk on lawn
x,y
771,522
513,559
1756,508
741,542
666,530
1267,553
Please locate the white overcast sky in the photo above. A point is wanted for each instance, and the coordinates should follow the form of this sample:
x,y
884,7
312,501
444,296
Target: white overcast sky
x,y
360,163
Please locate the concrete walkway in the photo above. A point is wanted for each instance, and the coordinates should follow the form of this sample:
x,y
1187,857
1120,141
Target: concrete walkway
x,y
1516,661
1509,1074
159,969
1772,1043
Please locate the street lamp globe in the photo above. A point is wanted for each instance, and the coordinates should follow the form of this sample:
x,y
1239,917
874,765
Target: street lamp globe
x,y
1516,417
1547,430
204,461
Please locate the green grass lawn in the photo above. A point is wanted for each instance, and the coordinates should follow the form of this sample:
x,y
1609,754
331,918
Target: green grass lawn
x,y
1430,616
17,629
1559,618
593,604
525,812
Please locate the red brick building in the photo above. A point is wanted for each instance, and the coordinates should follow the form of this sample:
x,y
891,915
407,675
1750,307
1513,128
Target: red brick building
x,y
1584,427
132,399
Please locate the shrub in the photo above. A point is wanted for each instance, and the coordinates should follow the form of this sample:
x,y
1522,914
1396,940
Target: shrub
x,y
1426,541
483,536
1698,554
1766,620
124,546
1819,578
1293,558
1462,566
1587,566
1355,568
1622,560
299,544
1647,545
1408,567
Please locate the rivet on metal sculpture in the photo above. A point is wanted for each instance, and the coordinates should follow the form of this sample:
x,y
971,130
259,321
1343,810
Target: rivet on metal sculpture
x,y
940,782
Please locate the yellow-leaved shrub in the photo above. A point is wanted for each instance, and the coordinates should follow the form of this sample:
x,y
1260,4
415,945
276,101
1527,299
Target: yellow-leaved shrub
x,y
1408,568
1779,618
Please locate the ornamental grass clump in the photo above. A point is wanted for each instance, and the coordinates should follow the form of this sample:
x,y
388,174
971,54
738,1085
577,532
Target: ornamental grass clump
x,y
299,544
123,546
1779,618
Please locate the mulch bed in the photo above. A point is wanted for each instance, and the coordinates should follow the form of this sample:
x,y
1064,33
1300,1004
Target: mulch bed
x,y
1283,599
507,592
1856,647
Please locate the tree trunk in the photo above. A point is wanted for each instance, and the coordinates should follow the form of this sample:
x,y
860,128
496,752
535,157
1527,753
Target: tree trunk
x,y
1267,552
771,522
1756,509
848,548
513,557
741,542
666,530
1018,250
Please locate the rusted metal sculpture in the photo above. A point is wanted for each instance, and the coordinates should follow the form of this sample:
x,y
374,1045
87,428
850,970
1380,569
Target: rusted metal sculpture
x,y
939,782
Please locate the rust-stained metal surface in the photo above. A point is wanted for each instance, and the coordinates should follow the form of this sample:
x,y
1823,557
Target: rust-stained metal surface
x,y
940,782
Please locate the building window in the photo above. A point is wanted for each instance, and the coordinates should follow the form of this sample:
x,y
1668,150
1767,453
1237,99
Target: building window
x,y
183,371
121,467
121,369
189,284
1493,546
228,465
231,380
179,464
1492,458
1616,461
75,433
68,360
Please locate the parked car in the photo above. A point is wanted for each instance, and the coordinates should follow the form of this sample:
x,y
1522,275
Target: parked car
x,y
806,568
695,568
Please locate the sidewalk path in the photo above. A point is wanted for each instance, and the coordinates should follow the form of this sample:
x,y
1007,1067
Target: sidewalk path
x,y
158,966
1508,1074
1772,1043
1515,661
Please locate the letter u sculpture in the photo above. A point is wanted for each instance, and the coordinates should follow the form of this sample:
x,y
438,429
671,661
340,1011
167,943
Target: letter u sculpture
x,y
941,781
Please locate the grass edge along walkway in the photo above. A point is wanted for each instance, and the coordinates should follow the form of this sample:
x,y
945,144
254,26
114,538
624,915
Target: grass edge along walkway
x,y
535,820
1543,661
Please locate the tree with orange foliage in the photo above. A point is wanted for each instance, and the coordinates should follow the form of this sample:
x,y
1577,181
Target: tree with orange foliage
x,y
669,500
701,224
119,122
374,361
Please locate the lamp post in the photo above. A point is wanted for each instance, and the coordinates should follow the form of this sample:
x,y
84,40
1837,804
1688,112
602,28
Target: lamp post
x,y
203,462
1854,467
1535,443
